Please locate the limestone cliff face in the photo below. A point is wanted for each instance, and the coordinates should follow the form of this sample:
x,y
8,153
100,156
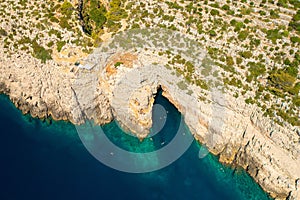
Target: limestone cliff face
x,y
227,126
47,90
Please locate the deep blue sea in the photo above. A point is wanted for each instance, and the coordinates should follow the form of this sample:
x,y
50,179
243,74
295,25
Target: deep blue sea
x,y
47,160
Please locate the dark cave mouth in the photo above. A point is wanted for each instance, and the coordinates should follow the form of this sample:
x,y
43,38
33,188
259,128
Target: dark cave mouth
x,y
166,120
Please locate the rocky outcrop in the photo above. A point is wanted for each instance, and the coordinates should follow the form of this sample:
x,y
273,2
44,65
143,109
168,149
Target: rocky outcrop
x,y
235,131
45,90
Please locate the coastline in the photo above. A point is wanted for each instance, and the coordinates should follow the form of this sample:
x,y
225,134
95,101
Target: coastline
x,y
61,142
268,152
251,43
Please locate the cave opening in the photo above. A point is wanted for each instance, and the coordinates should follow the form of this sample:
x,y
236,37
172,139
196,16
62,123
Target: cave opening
x,y
166,120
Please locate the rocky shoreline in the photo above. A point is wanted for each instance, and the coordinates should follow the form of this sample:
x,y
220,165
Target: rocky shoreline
x,y
235,131
248,41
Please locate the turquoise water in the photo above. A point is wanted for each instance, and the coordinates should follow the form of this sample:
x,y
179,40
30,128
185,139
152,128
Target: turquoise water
x,y
47,160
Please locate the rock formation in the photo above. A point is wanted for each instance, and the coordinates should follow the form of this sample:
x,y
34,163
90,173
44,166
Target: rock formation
x,y
235,131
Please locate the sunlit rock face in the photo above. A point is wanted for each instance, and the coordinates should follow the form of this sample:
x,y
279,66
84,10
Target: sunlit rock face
x,y
226,125
133,108
122,85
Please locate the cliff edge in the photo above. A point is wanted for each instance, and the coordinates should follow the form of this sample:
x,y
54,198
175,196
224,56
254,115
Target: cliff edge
x,y
235,131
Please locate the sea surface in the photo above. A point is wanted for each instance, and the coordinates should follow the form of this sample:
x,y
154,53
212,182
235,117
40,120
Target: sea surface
x,y
47,160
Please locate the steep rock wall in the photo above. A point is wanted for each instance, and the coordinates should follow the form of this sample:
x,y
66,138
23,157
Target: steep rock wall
x,y
226,125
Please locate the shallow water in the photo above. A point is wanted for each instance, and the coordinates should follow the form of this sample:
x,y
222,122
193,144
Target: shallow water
x,y
43,161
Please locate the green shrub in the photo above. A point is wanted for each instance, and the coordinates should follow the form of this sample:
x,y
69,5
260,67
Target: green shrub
x,y
267,97
98,17
239,60
24,40
295,90
246,54
118,64
229,60
215,5
296,101
190,67
50,44
225,7
295,39
297,58
60,45
282,3
94,15
66,9
116,12
234,82
174,5
285,33
274,14
233,22
274,35
135,26
250,101
239,26
40,52
64,23
292,70
295,3
255,70
3,32
255,42
212,33
246,11
295,22
214,12
202,84
54,19
262,13
243,35
276,92
282,80
230,12
269,112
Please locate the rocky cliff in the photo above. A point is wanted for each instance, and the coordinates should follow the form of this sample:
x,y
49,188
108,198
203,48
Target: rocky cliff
x,y
123,85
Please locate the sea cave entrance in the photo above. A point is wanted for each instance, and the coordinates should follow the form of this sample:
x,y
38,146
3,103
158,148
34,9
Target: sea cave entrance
x,y
166,121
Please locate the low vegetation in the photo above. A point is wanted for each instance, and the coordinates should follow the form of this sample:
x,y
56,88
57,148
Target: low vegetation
x,y
254,44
